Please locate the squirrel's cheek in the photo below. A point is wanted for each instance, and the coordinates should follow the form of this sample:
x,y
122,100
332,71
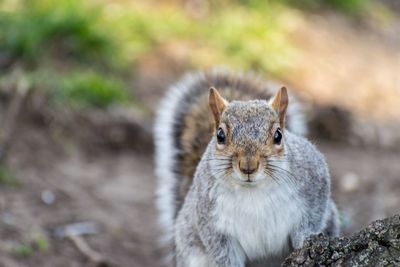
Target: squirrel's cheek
x,y
279,148
220,146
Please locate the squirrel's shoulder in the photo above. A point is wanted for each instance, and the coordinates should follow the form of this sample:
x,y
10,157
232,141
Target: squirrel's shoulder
x,y
300,149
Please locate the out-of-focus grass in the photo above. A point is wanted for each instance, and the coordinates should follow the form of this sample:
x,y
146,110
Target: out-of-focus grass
x,y
248,36
110,37
80,88
350,7
23,250
59,38
40,242
35,31
90,89
7,177
251,38
37,243
69,35
241,36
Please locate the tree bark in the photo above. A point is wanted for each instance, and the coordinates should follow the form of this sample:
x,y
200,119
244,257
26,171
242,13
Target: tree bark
x,y
376,245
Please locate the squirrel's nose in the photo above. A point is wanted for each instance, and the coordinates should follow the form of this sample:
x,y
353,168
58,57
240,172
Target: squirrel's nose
x,y
247,171
248,167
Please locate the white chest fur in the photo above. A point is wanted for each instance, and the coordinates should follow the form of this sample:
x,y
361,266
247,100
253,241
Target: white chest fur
x,y
260,219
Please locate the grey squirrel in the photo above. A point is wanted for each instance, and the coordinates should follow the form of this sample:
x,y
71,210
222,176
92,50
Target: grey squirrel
x,y
238,185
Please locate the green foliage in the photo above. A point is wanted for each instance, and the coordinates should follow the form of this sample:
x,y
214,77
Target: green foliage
x,y
53,40
72,33
67,36
248,36
40,29
24,250
7,177
90,89
352,7
40,242
141,30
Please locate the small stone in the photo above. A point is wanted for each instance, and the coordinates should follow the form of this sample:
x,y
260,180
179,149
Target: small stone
x,y
350,182
335,256
80,228
8,218
302,257
48,197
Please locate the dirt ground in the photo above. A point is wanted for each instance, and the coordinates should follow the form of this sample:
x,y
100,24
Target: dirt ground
x,y
112,189
115,188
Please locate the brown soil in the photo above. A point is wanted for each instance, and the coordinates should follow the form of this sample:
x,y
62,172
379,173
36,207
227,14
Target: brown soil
x,y
112,189
352,66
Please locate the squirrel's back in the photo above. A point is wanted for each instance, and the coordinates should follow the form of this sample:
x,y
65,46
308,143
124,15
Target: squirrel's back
x,y
184,126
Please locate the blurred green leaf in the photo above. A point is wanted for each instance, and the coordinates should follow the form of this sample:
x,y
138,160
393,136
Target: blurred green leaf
x,y
24,250
40,241
67,30
351,7
90,89
66,36
7,177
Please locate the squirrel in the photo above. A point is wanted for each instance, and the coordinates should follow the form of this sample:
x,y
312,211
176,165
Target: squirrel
x,y
238,184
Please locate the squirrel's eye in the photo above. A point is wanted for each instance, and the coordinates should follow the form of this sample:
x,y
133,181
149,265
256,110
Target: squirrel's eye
x,y
277,136
220,136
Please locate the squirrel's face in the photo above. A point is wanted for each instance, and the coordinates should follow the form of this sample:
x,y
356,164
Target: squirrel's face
x,y
249,138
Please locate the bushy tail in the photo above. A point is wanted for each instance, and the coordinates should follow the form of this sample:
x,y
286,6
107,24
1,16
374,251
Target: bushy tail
x,y
166,153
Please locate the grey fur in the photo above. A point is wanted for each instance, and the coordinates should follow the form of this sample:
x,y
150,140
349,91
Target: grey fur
x,y
303,186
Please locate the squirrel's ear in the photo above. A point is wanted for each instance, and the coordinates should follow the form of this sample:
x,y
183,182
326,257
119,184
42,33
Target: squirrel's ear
x,y
217,104
280,102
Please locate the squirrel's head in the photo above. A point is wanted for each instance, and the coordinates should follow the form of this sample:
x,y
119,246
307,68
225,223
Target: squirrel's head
x,y
249,143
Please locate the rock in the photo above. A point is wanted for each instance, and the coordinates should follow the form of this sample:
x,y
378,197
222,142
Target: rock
x,y
8,218
48,197
376,245
350,182
74,229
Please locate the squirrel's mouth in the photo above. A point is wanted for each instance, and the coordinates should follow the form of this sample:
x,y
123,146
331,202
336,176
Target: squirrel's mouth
x,y
249,183
248,179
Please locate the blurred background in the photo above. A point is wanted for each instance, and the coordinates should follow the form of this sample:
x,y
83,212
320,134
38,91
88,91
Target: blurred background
x,y
81,80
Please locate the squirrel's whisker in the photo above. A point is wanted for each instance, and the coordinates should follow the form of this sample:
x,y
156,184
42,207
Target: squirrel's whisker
x,y
284,175
217,159
271,174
